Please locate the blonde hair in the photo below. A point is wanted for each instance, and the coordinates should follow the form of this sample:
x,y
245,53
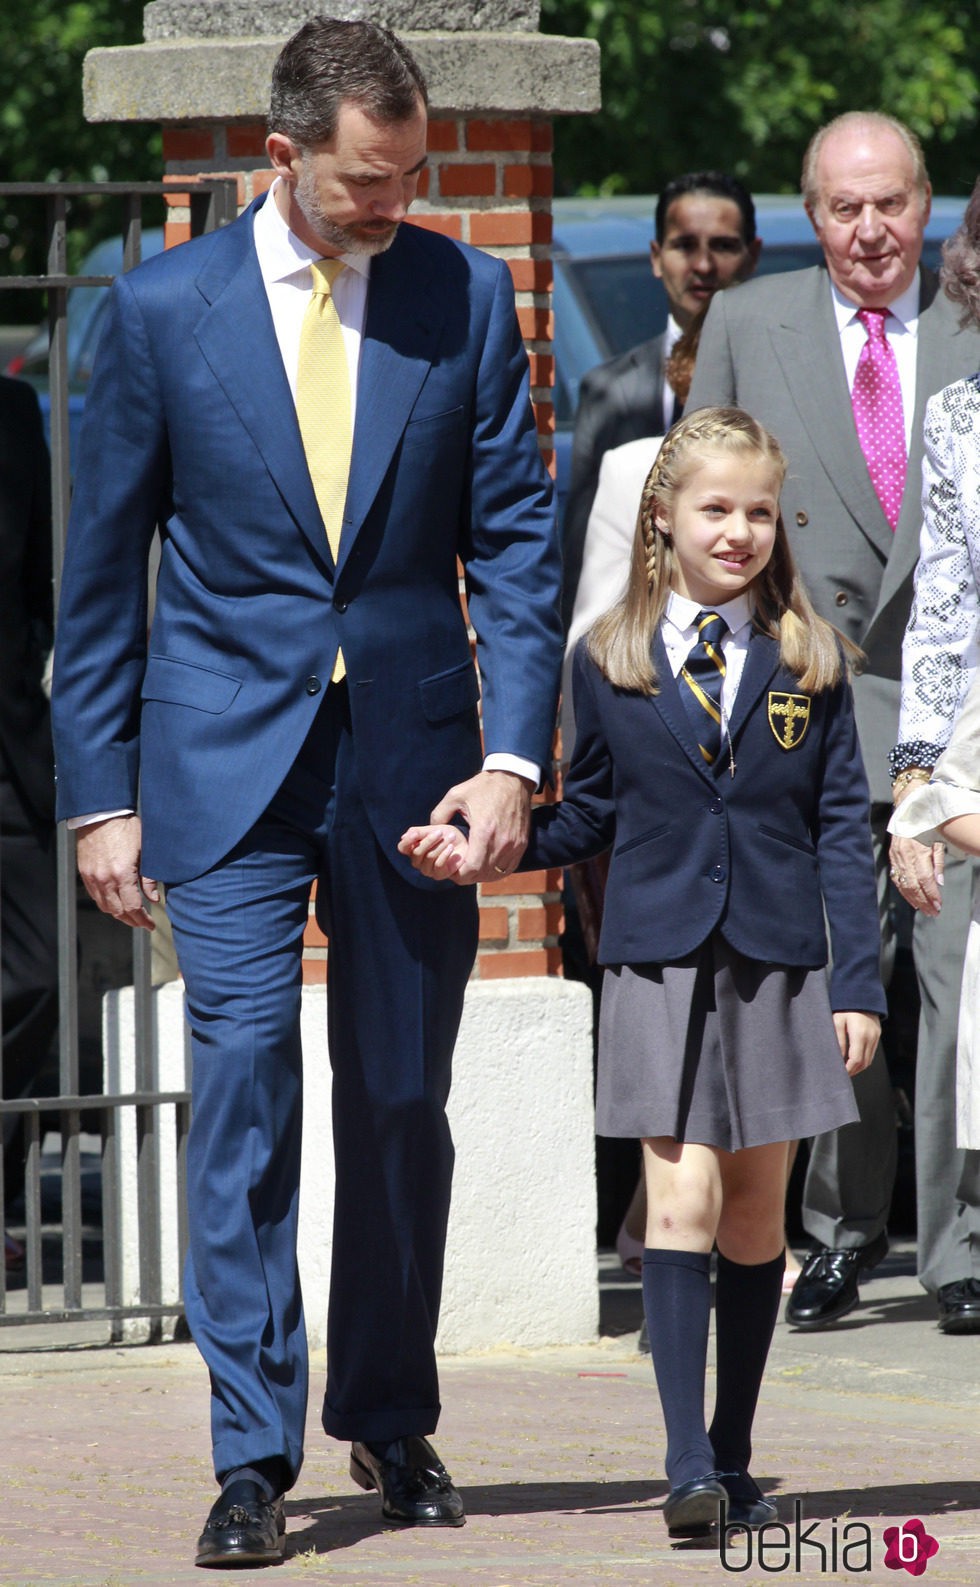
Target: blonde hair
x,y
620,642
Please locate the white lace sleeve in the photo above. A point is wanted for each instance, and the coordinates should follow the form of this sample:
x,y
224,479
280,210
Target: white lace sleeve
x,y
942,647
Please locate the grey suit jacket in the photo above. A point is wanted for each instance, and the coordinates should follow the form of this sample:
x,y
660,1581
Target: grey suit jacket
x,y
773,349
619,401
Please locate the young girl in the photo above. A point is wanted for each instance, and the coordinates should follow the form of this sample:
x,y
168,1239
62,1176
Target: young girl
x,y
716,756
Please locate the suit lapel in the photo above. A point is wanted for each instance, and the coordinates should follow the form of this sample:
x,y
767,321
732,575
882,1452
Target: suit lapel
x,y
401,333
237,338
670,707
761,665
806,344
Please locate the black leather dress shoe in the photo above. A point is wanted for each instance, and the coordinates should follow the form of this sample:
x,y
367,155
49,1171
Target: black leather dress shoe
x,y
827,1288
243,1529
746,1506
415,1487
959,1306
692,1508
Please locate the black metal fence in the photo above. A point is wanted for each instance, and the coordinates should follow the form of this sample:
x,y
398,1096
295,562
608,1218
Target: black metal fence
x,y
60,1281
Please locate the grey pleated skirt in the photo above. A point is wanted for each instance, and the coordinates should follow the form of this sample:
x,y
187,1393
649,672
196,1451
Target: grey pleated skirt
x,y
720,1050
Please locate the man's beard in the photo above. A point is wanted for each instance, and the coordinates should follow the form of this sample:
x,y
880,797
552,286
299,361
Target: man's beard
x,y
345,239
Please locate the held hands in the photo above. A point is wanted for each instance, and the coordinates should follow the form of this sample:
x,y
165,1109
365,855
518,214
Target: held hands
x,y
857,1036
108,855
496,806
436,851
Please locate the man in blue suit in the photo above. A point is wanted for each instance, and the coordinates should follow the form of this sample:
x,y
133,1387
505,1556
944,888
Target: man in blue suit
x,y
307,690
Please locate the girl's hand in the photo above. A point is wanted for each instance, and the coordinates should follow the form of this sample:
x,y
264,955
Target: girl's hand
x,y
858,1036
437,851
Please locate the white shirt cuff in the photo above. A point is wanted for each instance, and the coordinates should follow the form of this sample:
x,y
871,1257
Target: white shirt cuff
x,y
515,763
74,822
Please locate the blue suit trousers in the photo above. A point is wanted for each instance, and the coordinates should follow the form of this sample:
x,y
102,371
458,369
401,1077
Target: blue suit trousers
x,y
399,960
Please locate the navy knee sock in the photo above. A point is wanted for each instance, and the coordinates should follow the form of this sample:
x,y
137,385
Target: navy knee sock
x,y
746,1307
677,1303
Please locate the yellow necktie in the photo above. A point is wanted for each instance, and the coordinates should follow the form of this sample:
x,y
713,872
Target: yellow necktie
x,y
323,406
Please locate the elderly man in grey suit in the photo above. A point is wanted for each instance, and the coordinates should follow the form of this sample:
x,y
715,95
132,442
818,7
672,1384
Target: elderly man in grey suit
x,y
704,239
839,361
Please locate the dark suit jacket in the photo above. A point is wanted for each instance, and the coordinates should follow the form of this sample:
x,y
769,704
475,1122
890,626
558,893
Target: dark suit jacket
x,y
189,423
25,599
756,856
619,401
773,348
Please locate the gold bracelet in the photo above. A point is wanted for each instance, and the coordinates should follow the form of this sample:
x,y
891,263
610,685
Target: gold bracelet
x,y
911,774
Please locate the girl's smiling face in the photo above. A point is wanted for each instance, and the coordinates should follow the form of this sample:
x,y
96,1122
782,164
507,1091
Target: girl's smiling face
x,y
722,522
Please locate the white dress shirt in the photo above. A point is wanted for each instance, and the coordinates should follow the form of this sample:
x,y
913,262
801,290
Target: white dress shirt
x,y
672,336
680,633
902,331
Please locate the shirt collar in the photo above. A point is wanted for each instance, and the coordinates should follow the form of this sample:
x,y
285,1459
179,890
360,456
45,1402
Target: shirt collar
x,y
905,309
672,336
283,255
682,612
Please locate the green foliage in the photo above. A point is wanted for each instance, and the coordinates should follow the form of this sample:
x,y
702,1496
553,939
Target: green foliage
x,y
44,135
689,84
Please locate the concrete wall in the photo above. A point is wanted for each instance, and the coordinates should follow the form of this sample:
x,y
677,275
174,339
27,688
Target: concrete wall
x,y
520,1261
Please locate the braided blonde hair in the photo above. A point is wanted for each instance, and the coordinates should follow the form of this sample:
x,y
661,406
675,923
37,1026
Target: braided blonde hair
x,y
620,642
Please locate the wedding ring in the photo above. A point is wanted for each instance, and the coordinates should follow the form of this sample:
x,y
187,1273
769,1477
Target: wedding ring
x,y
499,870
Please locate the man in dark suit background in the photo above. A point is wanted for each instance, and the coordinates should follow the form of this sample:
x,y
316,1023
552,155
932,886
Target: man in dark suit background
x,y
704,239
324,410
788,349
28,888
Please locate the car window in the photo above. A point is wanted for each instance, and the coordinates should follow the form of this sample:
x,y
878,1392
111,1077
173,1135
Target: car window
x,y
621,297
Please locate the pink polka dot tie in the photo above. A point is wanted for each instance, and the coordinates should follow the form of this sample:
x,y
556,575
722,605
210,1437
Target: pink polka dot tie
x,y
876,398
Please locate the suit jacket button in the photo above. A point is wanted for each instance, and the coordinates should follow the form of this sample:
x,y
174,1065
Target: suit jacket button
x,y
716,807
802,518
840,599
340,606
313,685
718,873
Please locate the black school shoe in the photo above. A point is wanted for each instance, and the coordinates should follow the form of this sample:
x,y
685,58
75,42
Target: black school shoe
x,y
746,1505
693,1508
243,1529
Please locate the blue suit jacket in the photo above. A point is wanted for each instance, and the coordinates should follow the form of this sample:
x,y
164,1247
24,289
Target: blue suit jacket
x,y
756,856
189,423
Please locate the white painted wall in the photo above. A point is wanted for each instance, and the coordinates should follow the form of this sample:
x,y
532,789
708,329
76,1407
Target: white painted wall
x,y
521,1261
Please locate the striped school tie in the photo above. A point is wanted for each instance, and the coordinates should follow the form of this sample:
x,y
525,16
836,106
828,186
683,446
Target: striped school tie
x,y
700,679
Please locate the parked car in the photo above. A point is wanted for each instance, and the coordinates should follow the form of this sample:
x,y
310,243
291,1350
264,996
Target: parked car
x,y
85,316
606,298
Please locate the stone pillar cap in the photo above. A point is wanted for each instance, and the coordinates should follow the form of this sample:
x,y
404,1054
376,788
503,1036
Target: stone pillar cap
x,y
186,79
174,19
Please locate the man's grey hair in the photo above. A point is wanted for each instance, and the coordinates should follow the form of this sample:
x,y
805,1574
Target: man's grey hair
x,y
858,121
328,63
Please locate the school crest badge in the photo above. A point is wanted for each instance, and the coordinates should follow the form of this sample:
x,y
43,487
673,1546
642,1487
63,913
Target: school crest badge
x,y
789,718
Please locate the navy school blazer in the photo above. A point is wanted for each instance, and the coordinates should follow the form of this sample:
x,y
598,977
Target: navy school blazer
x,y
757,856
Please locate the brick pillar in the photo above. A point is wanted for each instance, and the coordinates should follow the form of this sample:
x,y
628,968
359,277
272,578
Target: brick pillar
x,y
494,85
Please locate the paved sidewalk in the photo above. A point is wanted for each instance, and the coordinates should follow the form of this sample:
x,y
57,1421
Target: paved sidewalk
x,y
558,1453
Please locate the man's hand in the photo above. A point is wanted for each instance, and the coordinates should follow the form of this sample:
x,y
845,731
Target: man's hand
x,y
109,864
496,806
858,1036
